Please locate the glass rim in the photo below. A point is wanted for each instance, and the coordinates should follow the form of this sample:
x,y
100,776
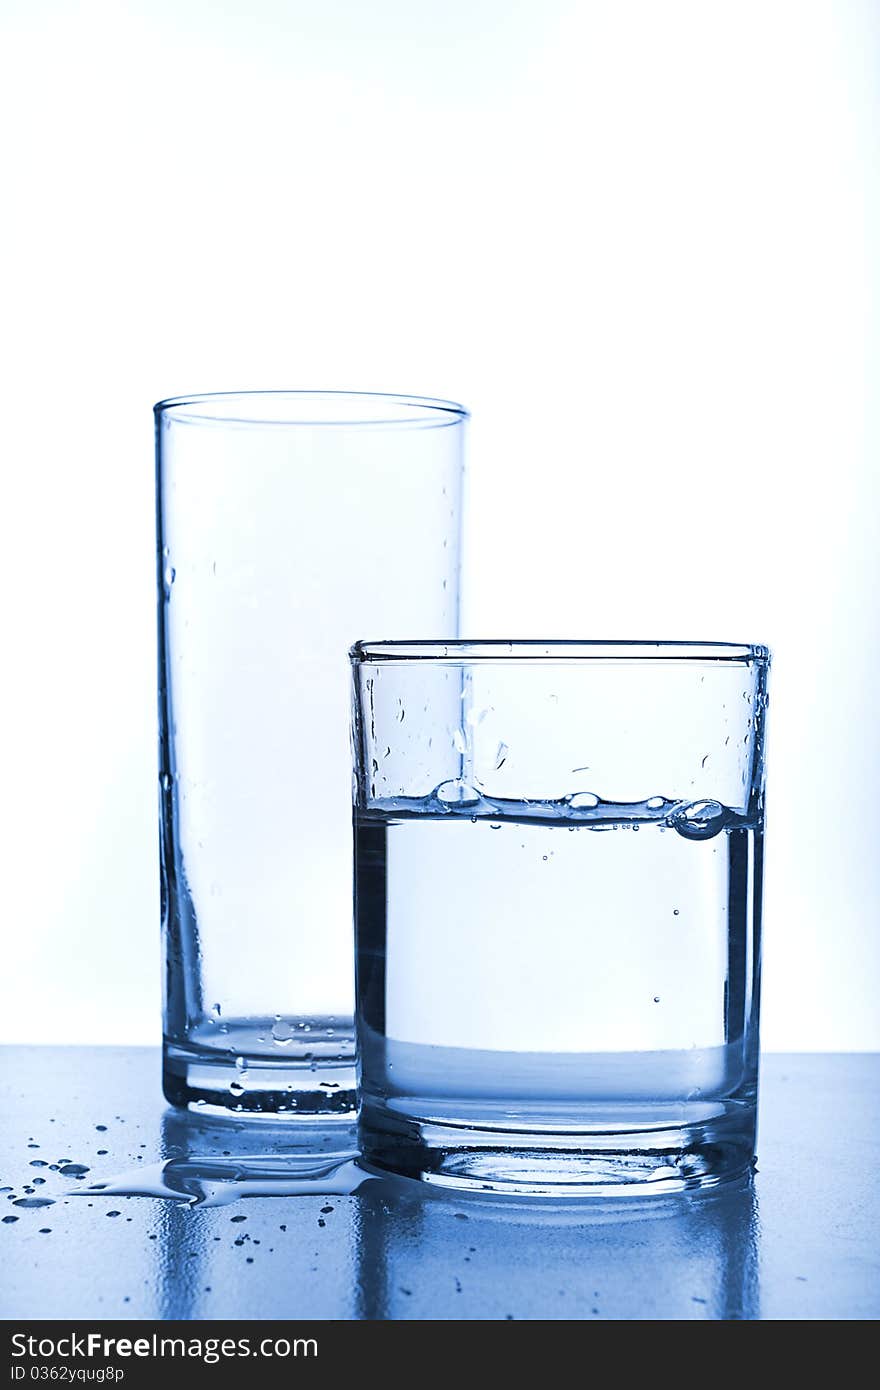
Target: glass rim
x,y
459,651
367,409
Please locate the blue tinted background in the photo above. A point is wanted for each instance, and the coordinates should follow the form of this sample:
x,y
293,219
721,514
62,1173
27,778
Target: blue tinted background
x,y
638,240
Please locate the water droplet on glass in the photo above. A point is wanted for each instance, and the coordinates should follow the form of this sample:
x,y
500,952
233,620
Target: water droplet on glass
x,y
475,717
457,792
699,820
31,1202
72,1170
282,1033
240,1065
675,912
705,760
459,742
656,998
169,576
215,1012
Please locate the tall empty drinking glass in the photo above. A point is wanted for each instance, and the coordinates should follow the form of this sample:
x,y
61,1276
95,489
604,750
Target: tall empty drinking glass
x,y
558,871
287,523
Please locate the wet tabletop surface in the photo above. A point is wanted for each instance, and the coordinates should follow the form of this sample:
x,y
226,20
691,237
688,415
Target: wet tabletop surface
x,y
801,1243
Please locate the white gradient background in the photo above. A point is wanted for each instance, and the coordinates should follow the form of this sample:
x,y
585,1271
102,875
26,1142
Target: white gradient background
x,y
638,240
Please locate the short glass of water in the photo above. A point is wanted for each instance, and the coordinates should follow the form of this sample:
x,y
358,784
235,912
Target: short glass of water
x,y
558,869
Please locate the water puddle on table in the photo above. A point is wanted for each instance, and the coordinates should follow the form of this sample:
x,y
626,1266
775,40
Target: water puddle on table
x,y
217,1182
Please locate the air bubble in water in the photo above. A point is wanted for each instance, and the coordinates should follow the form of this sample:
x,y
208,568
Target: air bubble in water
x,y
282,1033
582,801
169,576
457,792
240,1065
459,742
655,803
236,1088
699,820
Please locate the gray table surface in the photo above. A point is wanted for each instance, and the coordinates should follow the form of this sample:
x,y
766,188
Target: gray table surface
x,y
802,1242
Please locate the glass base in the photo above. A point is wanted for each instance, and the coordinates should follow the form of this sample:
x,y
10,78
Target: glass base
x,y
241,1077
618,1162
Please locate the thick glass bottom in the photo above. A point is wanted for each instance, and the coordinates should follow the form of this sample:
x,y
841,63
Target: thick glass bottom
x,y
584,1159
244,1075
